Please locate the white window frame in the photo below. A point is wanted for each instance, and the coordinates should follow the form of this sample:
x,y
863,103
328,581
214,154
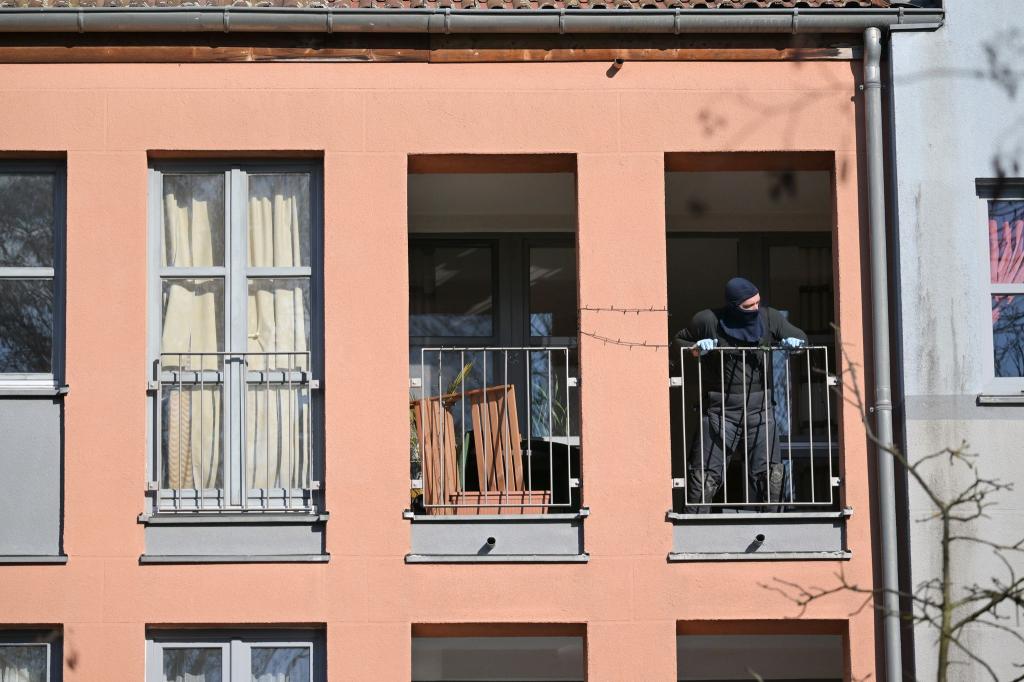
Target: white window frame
x,y
236,648
234,273
46,383
1004,189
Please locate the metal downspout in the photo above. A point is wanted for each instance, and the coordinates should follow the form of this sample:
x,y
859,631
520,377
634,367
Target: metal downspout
x,y
882,407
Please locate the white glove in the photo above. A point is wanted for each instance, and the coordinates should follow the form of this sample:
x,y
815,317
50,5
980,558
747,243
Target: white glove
x,y
792,343
705,345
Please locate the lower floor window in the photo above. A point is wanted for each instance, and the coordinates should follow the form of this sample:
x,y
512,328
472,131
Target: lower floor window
x,y
285,656
29,657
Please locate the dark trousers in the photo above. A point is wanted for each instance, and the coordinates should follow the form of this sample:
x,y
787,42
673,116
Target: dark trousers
x,y
725,432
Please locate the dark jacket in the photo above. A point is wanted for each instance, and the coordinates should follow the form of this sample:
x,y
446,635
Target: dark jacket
x,y
705,326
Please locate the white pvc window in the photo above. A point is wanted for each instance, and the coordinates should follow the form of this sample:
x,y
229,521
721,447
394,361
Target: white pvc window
x,y
270,658
31,286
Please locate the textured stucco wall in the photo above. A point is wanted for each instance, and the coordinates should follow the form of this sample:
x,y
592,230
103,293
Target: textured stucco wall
x,y
365,119
954,122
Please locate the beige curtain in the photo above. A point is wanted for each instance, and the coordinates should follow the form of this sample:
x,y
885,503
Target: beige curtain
x,y
22,664
277,454
192,323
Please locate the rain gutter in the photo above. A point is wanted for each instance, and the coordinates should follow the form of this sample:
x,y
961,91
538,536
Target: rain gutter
x,y
450,21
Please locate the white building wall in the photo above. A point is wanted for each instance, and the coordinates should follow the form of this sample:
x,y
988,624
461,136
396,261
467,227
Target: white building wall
x,y
957,118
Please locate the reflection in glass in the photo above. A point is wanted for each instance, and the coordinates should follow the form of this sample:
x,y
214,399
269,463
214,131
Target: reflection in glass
x,y
26,220
22,663
1006,241
450,291
26,325
280,664
1008,335
279,220
193,321
193,220
553,291
193,665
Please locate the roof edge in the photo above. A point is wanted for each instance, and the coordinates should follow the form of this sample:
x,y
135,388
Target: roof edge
x,y
454,21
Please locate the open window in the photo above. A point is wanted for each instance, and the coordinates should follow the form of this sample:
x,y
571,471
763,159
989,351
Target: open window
x,y
754,427
493,397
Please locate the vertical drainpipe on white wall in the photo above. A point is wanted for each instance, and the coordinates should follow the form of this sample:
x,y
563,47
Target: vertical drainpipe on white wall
x,y
882,406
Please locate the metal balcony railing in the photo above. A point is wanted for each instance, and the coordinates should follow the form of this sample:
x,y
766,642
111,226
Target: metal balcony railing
x,y
233,432
492,431
768,413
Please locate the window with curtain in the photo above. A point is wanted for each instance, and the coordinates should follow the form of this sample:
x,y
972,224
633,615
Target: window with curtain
x,y
234,251
287,656
1006,265
30,656
31,207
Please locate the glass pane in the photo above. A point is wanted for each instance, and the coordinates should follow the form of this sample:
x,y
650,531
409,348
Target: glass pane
x,y
553,291
193,665
278,322
276,435
26,220
193,220
193,322
279,220
1008,335
800,282
193,438
22,663
280,664
26,325
451,291
1006,241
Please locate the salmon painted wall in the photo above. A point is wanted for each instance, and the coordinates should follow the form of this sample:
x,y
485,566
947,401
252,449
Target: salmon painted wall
x,y
365,119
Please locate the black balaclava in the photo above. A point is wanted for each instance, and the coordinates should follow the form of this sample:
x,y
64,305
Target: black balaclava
x,y
739,324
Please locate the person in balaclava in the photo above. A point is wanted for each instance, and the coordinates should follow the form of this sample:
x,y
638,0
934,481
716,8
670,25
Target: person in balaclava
x,y
743,322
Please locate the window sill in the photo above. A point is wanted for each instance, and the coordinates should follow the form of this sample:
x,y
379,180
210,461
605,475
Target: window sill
x,y
996,400
31,389
234,559
34,559
179,518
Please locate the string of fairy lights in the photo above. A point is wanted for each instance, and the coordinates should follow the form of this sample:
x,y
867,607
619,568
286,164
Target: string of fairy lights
x,y
626,343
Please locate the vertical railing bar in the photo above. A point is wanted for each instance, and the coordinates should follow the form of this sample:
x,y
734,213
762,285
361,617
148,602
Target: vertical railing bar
x,y
746,421
423,412
828,427
725,461
440,424
767,430
529,425
202,431
507,435
293,402
177,489
485,417
551,427
241,389
308,430
462,441
789,426
159,431
700,428
810,424
682,415
265,491
568,432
